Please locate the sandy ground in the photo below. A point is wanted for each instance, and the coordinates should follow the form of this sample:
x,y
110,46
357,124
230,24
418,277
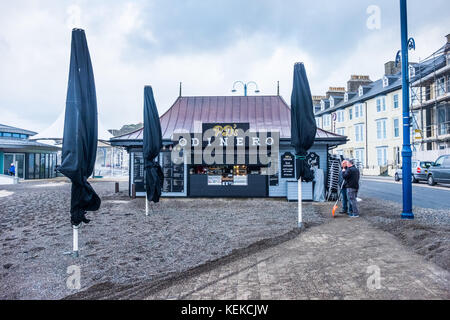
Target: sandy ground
x,y
123,249
121,245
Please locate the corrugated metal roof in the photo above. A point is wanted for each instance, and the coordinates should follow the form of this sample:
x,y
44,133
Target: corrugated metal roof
x,y
263,113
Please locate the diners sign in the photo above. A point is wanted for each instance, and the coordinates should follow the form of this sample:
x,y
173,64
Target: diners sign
x,y
226,129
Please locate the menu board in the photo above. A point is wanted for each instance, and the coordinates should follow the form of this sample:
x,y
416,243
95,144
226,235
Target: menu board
x,y
273,180
138,171
173,174
287,166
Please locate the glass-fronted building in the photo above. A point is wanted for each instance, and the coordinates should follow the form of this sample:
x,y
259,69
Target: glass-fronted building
x,y
33,160
266,119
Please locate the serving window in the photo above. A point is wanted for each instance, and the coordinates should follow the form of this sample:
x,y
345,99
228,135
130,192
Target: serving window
x,y
227,175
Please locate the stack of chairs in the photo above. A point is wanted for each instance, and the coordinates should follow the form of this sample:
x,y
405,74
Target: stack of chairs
x,y
334,167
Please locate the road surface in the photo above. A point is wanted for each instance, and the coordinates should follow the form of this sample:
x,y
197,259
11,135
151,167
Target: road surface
x,y
424,196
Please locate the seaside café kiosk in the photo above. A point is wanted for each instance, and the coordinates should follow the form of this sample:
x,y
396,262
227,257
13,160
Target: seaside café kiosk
x,y
258,114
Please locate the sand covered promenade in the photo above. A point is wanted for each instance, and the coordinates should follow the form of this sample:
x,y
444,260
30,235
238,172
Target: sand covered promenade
x,y
121,245
215,249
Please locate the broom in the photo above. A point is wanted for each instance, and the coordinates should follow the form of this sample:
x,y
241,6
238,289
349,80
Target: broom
x,y
335,207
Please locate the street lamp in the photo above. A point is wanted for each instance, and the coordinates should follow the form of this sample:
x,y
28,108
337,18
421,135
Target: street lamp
x,y
406,149
245,85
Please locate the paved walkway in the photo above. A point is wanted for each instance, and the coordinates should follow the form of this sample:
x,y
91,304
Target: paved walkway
x,y
337,260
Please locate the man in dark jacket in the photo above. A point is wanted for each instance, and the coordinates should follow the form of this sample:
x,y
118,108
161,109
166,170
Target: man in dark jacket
x,y
351,176
346,205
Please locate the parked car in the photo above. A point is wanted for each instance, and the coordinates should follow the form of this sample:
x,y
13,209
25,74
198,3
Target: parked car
x,y
419,171
439,172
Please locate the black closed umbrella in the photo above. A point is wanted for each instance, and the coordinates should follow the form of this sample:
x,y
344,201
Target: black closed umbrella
x,y
303,126
80,130
154,177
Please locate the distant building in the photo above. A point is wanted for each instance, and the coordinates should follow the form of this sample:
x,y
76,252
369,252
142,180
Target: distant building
x,y
370,114
34,160
430,99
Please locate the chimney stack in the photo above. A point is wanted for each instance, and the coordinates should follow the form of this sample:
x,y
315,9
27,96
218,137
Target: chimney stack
x,y
356,81
335,91
447,45
390,68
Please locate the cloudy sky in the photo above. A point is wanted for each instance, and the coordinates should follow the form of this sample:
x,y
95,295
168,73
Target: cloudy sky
x,y
206,44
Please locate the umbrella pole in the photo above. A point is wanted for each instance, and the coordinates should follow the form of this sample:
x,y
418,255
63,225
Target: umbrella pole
x,y
75,240
146,205
299,196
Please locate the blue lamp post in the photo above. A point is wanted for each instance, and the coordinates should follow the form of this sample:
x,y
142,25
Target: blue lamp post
x,y
245,85
406,150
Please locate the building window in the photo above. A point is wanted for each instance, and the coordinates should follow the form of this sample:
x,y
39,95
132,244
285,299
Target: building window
x,y
412,72
340,116
346,97
440,87
396,128
358,110
359,155
414,122
361,91
331,102
382,156
350,114
444,120
30,167
341,131
42,167
385,82
359,132
322,105
397,155
396,105
381,104
381,129
326,120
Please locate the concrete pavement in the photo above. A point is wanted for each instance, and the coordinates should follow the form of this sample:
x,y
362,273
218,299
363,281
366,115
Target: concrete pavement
x,y
342,259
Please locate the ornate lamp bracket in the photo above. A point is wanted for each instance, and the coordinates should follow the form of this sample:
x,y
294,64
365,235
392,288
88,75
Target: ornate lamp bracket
x,y
411,46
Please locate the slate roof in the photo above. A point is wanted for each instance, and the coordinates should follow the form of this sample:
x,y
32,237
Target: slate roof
x,y
371,91
263,113
395,83
429,66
